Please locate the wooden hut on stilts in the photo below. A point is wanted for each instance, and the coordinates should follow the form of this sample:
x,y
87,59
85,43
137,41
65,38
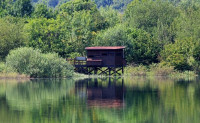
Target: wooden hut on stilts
x,y
101,60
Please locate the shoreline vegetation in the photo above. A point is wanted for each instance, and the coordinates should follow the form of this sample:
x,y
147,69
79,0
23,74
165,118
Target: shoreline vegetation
x,y
35,39
28,63
13,76
157,70
150,71
34,63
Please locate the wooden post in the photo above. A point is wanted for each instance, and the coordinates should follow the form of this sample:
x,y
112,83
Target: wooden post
x,y
109,71
95,70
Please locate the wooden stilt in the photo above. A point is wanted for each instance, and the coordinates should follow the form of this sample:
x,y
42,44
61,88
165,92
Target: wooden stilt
x,y
100,70
109,71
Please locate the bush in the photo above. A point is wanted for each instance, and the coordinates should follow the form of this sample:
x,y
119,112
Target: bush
x,y
136,70
36,64
179,54
5,69
2,67
152,70
161,70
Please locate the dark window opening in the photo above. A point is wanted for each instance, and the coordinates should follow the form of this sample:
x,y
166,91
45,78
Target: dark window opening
x,y
90,56
111,54
118,54
97,56
104,54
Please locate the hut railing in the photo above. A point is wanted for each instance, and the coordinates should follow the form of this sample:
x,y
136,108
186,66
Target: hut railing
x,y
76,62
94,62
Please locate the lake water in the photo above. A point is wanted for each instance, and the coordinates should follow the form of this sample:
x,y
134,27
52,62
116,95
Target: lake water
x,y
104,100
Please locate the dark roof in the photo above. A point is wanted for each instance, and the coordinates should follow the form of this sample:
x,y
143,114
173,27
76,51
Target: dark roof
x,y
105,48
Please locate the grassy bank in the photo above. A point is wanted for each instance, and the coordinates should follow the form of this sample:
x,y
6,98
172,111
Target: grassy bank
x,y
154,71
157,70
8,73
13,75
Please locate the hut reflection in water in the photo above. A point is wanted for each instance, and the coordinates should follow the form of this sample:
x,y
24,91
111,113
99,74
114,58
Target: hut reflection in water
x,y
100,93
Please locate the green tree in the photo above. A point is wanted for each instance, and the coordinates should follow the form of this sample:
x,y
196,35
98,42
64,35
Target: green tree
x,y
45,34
111,16
74,28
140,46
179,54
41,10
21,8
187,25
12,35
154,17
81,21
3,8
85,6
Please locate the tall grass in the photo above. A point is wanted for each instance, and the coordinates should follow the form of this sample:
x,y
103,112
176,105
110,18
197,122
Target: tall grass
x,y
38,65
136,70
2,67
160,70
157,70
8,73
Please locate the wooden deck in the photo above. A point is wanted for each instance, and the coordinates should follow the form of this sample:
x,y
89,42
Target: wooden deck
x,y
86,67
90,63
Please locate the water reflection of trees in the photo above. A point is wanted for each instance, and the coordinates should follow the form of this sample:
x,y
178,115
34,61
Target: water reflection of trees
x,y
68,101
174,103
32,95
33,100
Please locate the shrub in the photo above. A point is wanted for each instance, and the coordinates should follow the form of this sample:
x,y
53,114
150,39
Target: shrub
x,y
161,70
136,70
36,64
179,54
2,67
152,70
6,69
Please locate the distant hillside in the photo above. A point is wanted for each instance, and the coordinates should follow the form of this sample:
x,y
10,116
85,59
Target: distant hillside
x,y
117,4
52,3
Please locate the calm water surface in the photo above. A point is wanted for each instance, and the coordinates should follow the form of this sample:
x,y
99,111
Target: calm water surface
x,y
105,100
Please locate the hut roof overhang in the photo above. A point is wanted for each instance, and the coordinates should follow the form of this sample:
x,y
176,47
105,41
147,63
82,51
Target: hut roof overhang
x,y
105,48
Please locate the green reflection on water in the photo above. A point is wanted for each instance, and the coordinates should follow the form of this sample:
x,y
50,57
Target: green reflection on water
x,y
100,100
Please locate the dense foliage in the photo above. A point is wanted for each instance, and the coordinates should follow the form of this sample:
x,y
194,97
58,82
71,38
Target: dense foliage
x,y
141,47
36,64
153,31
11,35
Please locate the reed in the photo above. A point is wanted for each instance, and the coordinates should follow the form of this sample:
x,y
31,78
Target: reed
x,y
158,70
